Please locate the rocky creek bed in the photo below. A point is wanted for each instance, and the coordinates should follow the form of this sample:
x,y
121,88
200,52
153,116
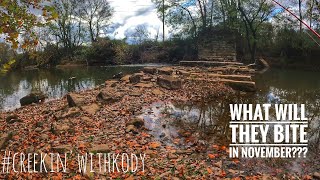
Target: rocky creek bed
x,y
115,118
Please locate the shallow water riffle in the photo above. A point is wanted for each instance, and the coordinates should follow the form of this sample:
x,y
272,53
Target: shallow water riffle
x,y
199,126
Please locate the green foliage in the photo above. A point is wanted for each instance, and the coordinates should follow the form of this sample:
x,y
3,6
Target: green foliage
x,y
101,52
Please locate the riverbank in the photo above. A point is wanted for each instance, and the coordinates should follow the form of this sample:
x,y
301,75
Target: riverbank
x,y
107,119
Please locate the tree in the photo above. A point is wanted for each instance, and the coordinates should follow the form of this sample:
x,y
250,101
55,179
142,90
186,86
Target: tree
x,y
67,29
17,19
186,15
96,13
18,22
140,34
253,14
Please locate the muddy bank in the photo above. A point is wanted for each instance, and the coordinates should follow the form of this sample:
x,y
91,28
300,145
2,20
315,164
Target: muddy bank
x,y
111,118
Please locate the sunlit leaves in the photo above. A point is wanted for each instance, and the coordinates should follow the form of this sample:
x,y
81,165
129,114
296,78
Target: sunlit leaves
x,y
18,20
6,67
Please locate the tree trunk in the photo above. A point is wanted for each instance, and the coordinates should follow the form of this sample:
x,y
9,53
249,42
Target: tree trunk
x,y
91,32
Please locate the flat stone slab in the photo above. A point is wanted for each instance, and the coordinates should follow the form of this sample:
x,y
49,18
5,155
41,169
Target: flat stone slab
x,y
169,82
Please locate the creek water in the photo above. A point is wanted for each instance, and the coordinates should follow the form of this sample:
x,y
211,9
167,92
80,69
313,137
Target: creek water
x,y
55,83
208,120
185,125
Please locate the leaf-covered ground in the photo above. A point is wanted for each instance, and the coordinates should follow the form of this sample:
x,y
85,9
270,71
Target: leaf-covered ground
x,y
113,124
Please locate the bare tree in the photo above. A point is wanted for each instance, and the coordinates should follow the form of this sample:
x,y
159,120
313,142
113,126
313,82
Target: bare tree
x,y
96,13
140,34
67,28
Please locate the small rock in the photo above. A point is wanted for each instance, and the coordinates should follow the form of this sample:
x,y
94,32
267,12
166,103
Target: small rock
x,y
137,122
109,97
218,164
111,83
118,76
39,124
316,175
13,119
47,160
144,85
130,178
62,148
38,130
165,174
184,152
100,148
183,72
165,71
172,156
30,149
44,137
157,92
135,94
74,111
150,70
5,138
61,128
75,100
131,128
135,78
34,97
126,78
162,135
147,78
86,119
91,109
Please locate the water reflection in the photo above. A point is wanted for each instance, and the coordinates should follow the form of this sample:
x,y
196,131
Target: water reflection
x,y
209,121
53,82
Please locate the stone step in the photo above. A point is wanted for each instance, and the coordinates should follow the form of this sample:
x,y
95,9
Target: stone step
x,y
209,63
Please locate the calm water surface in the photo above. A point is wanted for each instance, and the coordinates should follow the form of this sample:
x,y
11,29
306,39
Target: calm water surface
x,y
55,83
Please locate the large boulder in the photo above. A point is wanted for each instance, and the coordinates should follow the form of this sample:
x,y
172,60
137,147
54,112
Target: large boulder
x,y
135,78
34,97
169,82
75,100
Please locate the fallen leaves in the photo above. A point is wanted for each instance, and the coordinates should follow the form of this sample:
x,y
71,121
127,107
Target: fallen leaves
x,y
209,170
154,145
212,156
